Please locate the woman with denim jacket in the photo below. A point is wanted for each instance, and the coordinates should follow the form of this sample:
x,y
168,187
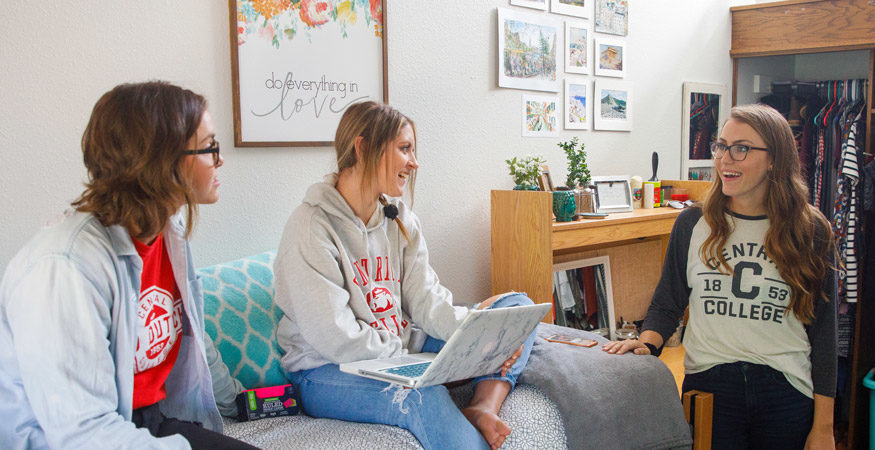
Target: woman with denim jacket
x,y
101,313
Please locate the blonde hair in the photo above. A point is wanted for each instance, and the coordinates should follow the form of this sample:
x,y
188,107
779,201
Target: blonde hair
x,y
798,236
132,148
378,125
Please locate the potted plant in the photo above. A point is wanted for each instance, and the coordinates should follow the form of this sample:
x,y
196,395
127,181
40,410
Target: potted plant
x,y
578,174
525,171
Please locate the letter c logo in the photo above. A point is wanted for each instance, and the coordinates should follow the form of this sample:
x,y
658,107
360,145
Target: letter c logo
x,y
736,279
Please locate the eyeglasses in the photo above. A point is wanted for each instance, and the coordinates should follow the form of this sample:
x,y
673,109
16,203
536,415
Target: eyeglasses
x,y
737,152
213,148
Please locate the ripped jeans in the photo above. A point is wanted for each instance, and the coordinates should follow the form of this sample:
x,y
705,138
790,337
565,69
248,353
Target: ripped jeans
x,y
429,413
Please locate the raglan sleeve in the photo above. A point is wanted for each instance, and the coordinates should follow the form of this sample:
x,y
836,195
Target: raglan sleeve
x,y
672,294
822,330
310,290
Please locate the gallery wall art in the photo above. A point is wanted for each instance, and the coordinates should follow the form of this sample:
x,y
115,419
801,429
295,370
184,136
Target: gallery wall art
x,y
613,104
528,49
610,57
536,50
578,47
578,103
540,116
612,17
576,8
536,4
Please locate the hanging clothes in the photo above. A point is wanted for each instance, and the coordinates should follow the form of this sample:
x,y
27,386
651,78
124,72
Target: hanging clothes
x,y
845,219
703,124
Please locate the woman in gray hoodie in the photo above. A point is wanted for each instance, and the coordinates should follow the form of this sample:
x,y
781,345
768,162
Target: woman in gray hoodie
x,y
352,278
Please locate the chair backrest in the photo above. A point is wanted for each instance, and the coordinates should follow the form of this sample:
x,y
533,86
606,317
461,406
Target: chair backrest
x,y
241,318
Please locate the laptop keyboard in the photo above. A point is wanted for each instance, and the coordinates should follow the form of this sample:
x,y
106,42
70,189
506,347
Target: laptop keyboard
x,y
412,370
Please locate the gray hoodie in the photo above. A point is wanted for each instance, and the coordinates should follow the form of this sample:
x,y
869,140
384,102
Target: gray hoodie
x,y
351,291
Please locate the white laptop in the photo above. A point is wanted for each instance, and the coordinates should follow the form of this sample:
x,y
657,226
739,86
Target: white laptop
x,y
484,341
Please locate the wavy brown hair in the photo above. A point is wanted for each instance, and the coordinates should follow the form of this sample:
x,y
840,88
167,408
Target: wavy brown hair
x,y
132,148
378,125
798,236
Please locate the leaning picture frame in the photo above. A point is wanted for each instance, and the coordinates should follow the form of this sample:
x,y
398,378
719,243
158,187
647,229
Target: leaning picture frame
x,y
285,91
705,107
572,281
545,181
613,193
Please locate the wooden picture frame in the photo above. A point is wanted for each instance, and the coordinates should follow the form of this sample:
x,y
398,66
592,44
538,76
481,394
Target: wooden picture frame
x,y
294,72
613,194
545,181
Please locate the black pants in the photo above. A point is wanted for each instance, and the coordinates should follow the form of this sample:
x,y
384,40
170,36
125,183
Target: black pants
x,y
150,417
755,407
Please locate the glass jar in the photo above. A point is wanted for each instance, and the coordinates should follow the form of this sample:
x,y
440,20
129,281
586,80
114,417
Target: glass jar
x,y
585,200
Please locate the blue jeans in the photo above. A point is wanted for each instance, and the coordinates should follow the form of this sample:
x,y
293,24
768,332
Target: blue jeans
x,y
754,407
429,413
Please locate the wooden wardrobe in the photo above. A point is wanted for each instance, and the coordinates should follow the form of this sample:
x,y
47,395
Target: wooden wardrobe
x,y
839,34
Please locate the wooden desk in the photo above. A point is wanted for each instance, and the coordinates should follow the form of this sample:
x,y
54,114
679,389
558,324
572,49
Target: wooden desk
x,y
526,243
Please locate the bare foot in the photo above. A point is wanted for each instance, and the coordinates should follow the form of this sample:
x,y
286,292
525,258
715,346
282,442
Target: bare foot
x,y
490,426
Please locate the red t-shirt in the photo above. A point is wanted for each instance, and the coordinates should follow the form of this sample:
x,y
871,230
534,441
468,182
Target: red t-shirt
x,y
159,313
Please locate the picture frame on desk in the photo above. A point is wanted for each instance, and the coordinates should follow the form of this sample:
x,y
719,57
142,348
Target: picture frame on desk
x,y
545,181
613,194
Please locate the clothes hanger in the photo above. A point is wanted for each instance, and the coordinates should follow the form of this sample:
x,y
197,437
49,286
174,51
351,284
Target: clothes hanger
x,y
704,106
823,92
697,104
834,98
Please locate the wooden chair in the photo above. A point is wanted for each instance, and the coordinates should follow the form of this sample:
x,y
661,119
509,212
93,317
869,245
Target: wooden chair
x,y
699,412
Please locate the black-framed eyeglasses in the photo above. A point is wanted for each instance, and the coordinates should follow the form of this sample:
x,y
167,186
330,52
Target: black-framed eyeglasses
x,y
213,148
737,152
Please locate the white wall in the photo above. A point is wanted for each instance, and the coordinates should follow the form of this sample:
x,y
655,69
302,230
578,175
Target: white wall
x,y
57,58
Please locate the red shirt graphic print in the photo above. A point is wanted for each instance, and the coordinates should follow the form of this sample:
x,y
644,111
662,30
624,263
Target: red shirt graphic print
x,y
159,313
381,300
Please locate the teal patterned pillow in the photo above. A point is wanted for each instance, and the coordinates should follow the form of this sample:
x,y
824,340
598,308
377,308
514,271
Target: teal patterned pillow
x,y
241,318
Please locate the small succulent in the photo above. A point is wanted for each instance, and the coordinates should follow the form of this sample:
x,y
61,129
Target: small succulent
x,y
526,170
578,173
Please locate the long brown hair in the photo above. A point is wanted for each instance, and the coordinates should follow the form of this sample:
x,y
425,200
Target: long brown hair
x,y
798,236
132,148
378,125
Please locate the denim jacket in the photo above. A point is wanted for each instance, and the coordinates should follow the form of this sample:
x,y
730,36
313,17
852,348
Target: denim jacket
x,y
68,335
